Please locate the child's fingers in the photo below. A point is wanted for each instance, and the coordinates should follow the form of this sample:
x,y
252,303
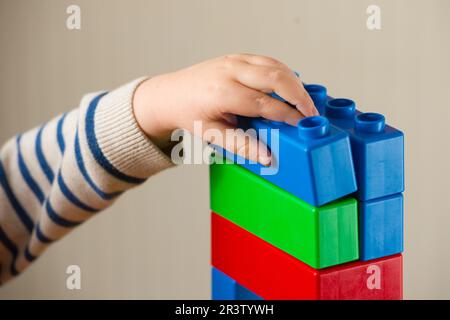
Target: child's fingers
x,y
238,142
282,82
244,101
261,61
254,103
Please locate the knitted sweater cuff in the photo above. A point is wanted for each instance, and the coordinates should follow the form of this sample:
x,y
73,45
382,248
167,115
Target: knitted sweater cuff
x,y
120,138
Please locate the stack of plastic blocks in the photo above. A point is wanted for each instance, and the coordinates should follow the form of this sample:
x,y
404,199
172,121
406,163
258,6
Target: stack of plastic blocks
x,y
324,222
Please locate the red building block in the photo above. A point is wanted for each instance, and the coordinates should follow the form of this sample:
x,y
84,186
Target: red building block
x,y
273,274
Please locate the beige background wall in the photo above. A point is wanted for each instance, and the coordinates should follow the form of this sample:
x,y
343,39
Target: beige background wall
x,y
150,245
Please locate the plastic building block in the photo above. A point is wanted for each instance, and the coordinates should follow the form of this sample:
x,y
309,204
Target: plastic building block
x,y
319,236
273,274
225,288
381,227
376,147
312,161
378,153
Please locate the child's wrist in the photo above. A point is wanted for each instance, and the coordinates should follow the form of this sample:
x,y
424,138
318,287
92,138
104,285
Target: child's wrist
x,y
148,114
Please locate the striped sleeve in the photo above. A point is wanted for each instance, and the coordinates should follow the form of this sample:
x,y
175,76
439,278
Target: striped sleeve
x,y
56,176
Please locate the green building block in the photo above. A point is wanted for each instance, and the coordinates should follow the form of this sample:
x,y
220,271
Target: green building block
x,y
319,236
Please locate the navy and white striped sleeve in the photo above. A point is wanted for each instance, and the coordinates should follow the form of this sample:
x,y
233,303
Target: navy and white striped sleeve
x,y
58,175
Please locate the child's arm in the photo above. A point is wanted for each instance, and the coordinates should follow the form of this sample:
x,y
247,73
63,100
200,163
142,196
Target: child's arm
x,y
55,177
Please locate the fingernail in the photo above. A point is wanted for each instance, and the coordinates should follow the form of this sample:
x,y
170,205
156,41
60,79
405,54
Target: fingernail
x,y
293,122
314,111
265,160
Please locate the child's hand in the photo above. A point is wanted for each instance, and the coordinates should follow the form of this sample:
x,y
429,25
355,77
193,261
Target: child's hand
x,y
214,92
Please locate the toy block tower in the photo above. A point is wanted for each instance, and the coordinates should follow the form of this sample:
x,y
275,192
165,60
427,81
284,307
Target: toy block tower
x,y
324,222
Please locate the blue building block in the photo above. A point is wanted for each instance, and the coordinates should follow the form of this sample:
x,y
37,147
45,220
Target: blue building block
x,y
226,288
378,151
380,227
377,148
312,161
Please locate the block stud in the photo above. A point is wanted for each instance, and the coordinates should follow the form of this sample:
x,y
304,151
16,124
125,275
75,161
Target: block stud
x,y
370,122
340,108
313,127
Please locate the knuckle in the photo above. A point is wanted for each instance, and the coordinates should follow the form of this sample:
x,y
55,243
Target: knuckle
x,y
266,106
275,75
263,101
230,56
274,62
229,61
